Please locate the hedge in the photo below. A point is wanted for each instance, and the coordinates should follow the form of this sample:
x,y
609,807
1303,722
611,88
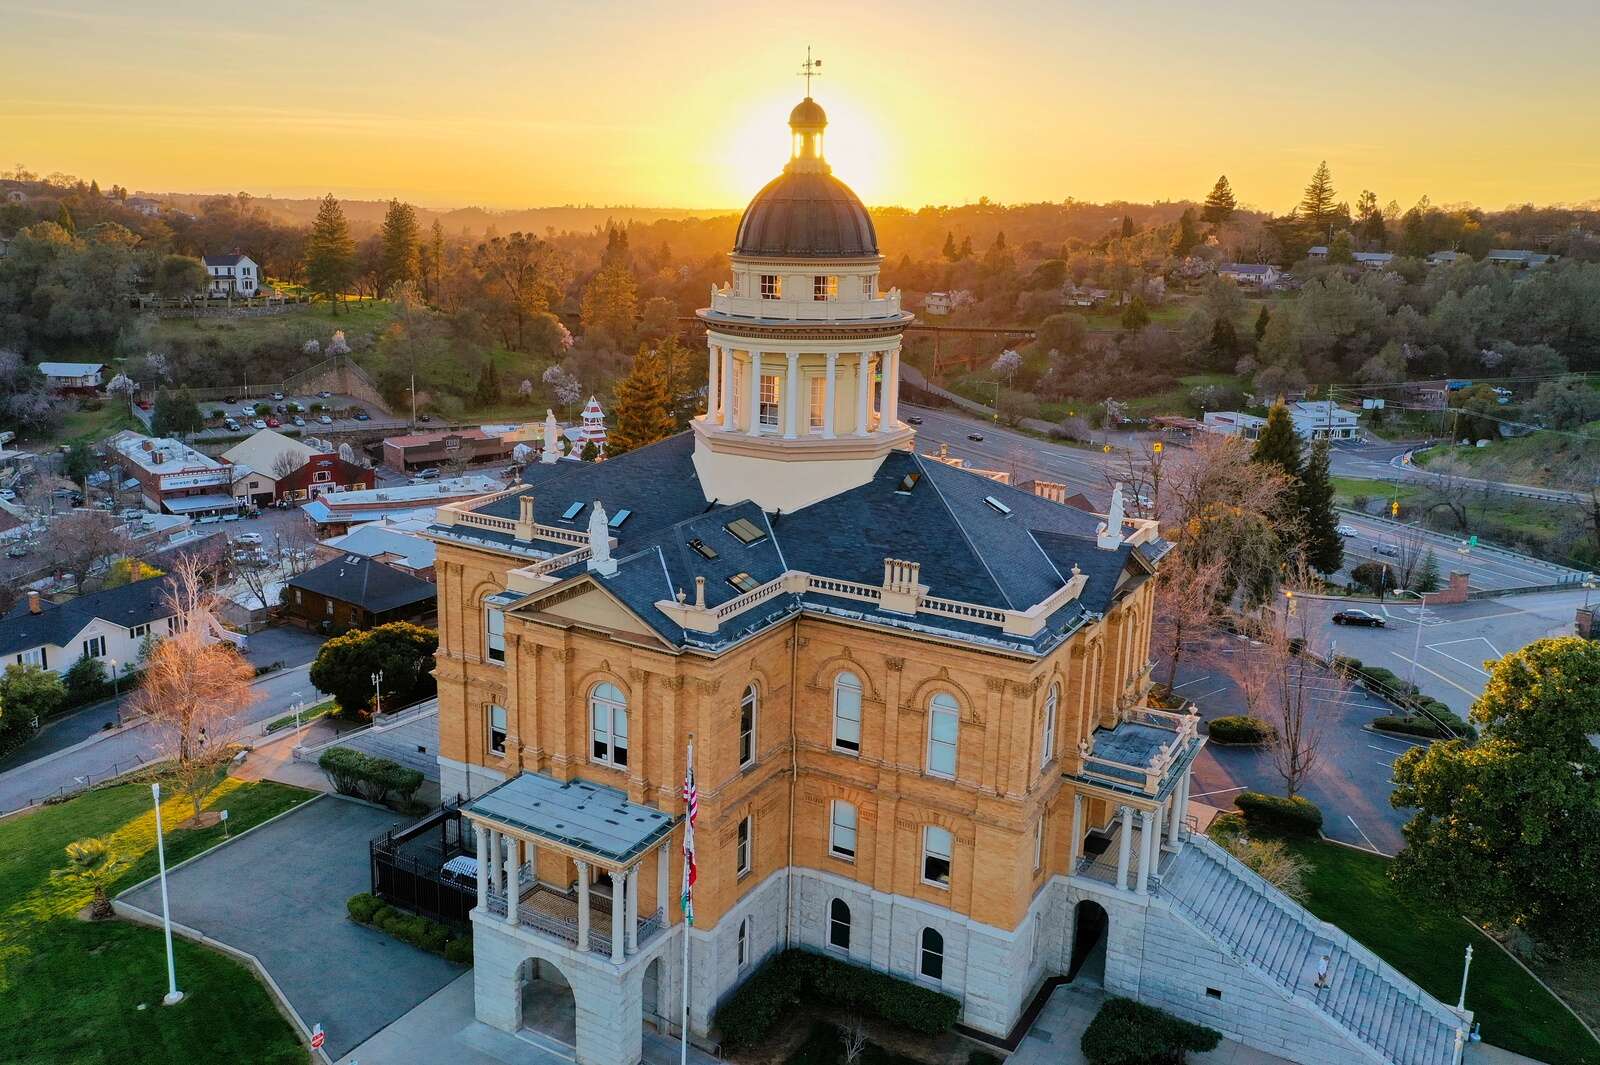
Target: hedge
x,y
1126,1032
431,936
374,779
1275,814
794,976
1407,696
1237,728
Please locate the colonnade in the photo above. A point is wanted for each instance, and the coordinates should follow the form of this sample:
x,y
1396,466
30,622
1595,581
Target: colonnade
x,y
723,408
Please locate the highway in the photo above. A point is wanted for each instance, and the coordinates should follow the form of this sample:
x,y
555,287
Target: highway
x,y
1393,462
1488,569
1024,457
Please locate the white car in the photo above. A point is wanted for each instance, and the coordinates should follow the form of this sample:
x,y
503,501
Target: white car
x,y
258,424
1347,530
325,420
247,538
299,420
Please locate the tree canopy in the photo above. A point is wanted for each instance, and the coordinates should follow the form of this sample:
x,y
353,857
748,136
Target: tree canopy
x,y
345,665
330,253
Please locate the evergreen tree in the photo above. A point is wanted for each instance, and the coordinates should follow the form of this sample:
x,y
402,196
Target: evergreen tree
x,y
1224,343
641,413
950,252
1135,317
1262,321
488,389
64,220
1324,548
1340,252
433,269
401,258
608,306
1370,226
1278,443
1127,227
1427,579
1220,204
1186,236
330,253
591,451
1000,241
1317,206
966,248
176,414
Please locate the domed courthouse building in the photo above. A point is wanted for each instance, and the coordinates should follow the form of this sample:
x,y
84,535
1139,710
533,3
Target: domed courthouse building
x,y
915,699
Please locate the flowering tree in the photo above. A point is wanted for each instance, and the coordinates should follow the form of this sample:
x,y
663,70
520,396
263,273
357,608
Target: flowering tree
x,y
1007,364
122,385
337,345
525,389
312,347
566,388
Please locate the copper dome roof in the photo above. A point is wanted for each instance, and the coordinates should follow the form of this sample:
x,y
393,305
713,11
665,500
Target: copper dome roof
x,y
806,215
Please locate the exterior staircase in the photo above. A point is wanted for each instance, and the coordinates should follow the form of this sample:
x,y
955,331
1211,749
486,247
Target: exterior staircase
x,y
1282,941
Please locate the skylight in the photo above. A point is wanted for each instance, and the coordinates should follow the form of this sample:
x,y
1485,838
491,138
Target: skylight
x,y
745,531
703,549
997,505
744,582
907,483
571,512
619,517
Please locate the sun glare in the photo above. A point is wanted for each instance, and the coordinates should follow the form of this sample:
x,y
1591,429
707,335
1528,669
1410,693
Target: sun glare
x,y
753,151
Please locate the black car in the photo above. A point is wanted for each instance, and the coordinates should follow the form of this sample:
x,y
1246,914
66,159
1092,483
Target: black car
x,y
976,437
1359,617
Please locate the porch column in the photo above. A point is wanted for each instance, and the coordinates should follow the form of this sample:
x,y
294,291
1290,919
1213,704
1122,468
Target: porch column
x,y
661,882
1175,816
1076,843
791,396
726,393
514,877
495,861
631,917
1147,850
754,413
618,889
831,395
863,394
712,366
483,867
583,903
1124,848
891,391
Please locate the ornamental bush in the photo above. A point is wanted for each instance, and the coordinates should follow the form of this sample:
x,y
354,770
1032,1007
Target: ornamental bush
x,y
1239,729
1126,1032
1276,815
361,907
374,779
410,928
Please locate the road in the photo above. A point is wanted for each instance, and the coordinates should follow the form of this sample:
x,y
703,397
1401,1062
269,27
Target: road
x,y
1024,457
1386,461
1488,569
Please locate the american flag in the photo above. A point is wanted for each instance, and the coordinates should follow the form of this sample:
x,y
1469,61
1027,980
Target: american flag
x,y
691,813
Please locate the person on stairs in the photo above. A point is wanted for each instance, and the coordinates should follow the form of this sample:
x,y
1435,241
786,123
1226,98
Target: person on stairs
x,y
1322,973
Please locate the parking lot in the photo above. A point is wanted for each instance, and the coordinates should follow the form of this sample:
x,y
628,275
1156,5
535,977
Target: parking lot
x,y
322,412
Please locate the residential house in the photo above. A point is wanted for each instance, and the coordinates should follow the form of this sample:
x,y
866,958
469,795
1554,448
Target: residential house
x,y
143,205
1518,259
232,275
1323,418
110,626
174,478
421,450
1256,275
70,377
269,466
936,304
335,513
393,541
1444,258
1368,260
356,592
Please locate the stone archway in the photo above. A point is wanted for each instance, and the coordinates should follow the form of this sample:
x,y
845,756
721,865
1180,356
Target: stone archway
x,y
545,1002
1091,927
654,1004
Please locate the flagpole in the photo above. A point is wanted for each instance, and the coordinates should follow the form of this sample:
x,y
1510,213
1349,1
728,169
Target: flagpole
x,y
689,810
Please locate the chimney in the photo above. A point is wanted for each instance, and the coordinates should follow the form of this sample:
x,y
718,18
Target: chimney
x,y
33,603
525,516
699,593
902,586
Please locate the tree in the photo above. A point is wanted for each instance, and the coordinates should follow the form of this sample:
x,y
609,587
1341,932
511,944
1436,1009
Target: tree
x,y
401,262
83,541
522,277
1127,227
1188,594
403,652
433,263
566,388
1275,863
1295,704
330,253
1427,579
178,276
1134,316
1568,403
1214,502
1220,204
176,414
487,392
1278,443
92,864
28,696
1370,225
1186,235
1317,204
1321,542
1340,250
642,412
1263,319
85,680
950,252
609,304
1376,577
78,462
1507,830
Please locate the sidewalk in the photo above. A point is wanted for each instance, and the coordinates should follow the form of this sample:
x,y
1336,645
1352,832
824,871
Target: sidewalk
x,y
273,759
1056,1034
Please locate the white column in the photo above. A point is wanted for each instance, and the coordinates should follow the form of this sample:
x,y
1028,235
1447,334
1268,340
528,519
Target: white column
x,y
631,915
727,393
583,904
483,867
662,862
791,397
514,877
496,862
863,394
891,391
1076,844
1175,817
530,855
618,889
712,366
1125,848
832,395
754,413
1158,824
1147,851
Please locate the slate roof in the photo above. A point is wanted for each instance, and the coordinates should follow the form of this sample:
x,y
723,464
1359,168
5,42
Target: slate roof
x,y
225,260
969,550
364,583
58,624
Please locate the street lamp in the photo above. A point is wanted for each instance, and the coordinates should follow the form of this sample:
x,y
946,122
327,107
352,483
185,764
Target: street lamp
x,y
173,995
377,693
297,705
1422,616
114,692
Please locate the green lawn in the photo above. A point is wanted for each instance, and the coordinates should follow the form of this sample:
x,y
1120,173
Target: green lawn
x,y
294,326
90,993
1352,890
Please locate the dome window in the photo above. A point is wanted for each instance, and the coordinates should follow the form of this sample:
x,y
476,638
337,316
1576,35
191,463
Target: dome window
x,y
771,287
825,287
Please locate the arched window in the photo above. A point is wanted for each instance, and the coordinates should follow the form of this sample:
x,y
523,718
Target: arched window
x,y
839,924
847,712
932,965
842,830
1047,742
744,942
944,729
747,727
608,717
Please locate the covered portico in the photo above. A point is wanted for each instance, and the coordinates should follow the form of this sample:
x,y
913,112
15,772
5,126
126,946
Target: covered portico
x,y
562,910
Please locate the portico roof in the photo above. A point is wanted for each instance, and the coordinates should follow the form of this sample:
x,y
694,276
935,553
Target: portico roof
x,y
578,814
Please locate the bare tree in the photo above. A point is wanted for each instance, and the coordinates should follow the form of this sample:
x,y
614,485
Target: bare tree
x,y
1297,698
1138,470
1188,606
194,685
1410,547
83,541
1251,673
285,463
853,1037
1452,487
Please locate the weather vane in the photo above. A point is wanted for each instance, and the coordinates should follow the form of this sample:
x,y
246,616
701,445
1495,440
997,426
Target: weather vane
x,y
812,68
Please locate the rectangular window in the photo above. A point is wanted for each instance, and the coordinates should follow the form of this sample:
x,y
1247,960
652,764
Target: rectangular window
x,y
747,727
842,830
34,657
497,729
847,716
94,647
744,582
943,728
936,856
771,287
494,624
741,850
1038,845
824,287
139,632
869,287
745,531
819,402
771,394
744,943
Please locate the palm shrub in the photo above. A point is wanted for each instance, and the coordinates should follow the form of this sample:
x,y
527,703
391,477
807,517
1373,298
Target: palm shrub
x,y
92,864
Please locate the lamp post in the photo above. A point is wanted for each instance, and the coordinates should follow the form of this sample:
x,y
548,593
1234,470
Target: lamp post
x,y
297,705
377,693
1422,616
173,995
1461,1004
114,692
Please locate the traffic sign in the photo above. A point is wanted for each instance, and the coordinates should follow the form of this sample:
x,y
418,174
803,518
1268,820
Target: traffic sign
x,y
1394,509
1106,448
1156,447
318,1037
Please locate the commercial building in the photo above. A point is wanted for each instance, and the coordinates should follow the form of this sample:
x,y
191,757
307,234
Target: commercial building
x,y
336,513
269,466
421,450
174,478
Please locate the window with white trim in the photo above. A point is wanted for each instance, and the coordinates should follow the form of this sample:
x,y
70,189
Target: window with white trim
x,y
497,728
139,632
747,727
34,657
494,639
931,961
936,844
944,730
771,287
1038,844
819,403
1047,741
94,647
741,847
744,943
608,722
869,287
839,925
847,712
842,830
771,396
824,287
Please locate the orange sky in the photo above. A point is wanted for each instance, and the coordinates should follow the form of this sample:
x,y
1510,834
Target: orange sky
x,y
672,104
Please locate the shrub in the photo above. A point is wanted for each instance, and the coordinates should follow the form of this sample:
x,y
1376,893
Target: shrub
x,y
375,779
410,928
1237,728
362,907
86,681
1275,814
459,950
1274,863
800,975
342,766
1126,1032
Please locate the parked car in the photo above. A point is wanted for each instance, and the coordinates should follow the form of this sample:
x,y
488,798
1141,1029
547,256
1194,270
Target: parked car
x,y
425,418
978,437
277,395
258,424
325,420
17,550
7,494
273,423
432,473
912,419
231,425
132,514
363,416
247,538
324,395
1353,616
299,420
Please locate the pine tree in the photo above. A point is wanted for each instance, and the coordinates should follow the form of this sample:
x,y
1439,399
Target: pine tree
x,y
608,305
1220,204
64,220
642,411
966,249
1134,315
1317,206
1324,548
1127,227
1278,443
432,275
1000,241
1427,579
176,414
950,252
1262,321
488,390
1186,236
330,253
1224,342
401,260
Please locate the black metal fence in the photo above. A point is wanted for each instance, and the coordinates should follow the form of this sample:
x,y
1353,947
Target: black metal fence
x,y
408,872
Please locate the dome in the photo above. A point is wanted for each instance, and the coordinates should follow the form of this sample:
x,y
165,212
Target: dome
x,y
806,215
808,114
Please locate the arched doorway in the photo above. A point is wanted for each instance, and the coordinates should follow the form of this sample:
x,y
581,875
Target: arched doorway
x,y
653,1015
1090,924
546,1007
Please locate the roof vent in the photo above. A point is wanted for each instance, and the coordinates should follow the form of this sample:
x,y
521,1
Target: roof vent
x,y
997,505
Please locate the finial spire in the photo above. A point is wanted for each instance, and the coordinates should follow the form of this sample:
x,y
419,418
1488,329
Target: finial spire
x,y
811,68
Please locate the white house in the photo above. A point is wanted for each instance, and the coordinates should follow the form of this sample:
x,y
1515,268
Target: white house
x,y
1261,275
1315,419
110,626
936,303
1367,260
232,275
72,375
143,205
1233,423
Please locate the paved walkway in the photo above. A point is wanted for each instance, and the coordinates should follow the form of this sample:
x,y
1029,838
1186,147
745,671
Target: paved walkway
x,y
1055,1035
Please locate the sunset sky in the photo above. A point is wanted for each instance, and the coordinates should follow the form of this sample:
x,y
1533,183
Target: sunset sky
x,y
649,102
